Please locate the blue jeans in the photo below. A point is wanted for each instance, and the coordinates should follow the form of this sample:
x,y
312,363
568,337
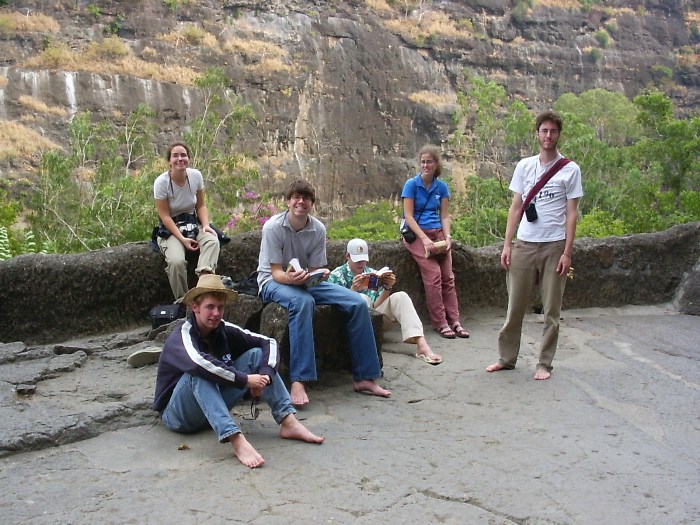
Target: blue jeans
x,y
198,403
300,302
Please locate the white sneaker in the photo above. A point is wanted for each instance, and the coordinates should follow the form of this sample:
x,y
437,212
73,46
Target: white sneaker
x,y
145,356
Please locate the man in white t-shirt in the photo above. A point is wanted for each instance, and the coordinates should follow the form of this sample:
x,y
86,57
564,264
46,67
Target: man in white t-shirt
x,y
543,249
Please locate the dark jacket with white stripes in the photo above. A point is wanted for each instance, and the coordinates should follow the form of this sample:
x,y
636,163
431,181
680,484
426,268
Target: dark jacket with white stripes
x,y
185,351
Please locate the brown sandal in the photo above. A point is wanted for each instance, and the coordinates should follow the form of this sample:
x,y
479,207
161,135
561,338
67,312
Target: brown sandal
x,y
459,331
446,332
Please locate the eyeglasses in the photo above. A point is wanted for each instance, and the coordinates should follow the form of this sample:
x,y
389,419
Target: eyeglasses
x,y
297,197
254,410
427,162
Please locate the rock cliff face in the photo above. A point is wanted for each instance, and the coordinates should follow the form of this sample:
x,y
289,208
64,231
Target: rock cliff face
x,y
345,92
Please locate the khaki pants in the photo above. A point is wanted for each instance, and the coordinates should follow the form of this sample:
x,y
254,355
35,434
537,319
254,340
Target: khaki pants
x,y
528,260
176,264
398,308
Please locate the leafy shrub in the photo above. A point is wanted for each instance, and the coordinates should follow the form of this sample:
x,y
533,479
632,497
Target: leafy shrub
x,y
661,74
611,26
599,223
596,55
100,193
374,221
57,56
603,38
8,26
479,215
520,12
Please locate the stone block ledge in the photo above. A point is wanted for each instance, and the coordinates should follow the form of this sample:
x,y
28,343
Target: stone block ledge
x,y
52,298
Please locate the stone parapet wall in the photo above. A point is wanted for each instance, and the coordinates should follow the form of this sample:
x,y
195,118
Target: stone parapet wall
x,y
49,298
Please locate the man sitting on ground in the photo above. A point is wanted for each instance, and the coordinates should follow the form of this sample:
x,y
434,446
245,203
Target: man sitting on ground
x,y
395,307
206,367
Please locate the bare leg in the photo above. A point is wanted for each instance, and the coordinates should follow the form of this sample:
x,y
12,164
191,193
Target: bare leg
x,y
291,428
368,386
542,374
245,452
424,349
495,367
298,394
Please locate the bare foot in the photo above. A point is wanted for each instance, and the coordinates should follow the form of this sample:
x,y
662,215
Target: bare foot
x,y
245,452
495,367
424,349
291,428
298,394
368,386
542,374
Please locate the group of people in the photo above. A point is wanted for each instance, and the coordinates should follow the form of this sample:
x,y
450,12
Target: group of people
x,y
208,365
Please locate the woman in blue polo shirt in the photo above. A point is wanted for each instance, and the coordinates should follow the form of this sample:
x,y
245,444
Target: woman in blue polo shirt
x,y
426,207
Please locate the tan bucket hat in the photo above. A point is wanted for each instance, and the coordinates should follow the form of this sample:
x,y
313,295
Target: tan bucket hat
x,y
208,283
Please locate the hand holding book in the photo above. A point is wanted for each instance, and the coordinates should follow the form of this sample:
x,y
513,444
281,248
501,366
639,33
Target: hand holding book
x,y
380,277
313,277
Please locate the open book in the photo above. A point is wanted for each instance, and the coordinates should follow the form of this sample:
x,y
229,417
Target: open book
x,y
376,278
315,277
440,247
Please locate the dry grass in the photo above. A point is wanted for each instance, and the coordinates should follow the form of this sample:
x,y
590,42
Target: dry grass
x,y
563,4
429,24
109,49
268,65
381,6
33,23
102,59
253,48
432,99
38,106
17,141
266,56
192,35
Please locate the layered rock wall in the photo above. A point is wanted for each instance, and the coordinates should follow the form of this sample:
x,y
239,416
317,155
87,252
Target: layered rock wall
x,y
354,91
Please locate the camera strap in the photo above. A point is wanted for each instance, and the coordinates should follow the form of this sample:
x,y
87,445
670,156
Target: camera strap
x,y
563,161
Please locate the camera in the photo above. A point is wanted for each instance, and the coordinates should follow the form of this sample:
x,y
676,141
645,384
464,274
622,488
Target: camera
x,y
531,212
189,230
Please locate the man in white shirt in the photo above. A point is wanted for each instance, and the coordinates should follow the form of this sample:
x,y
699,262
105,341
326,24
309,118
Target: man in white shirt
x,y
543,249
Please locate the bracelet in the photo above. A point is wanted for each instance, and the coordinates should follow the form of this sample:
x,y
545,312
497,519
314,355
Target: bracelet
x,y
388,289
569,256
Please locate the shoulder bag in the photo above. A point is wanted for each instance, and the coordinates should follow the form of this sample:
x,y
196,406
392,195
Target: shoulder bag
x,y
528,208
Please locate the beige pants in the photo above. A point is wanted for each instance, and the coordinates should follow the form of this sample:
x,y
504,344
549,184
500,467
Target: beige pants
x,y
398,308
176,264
528,261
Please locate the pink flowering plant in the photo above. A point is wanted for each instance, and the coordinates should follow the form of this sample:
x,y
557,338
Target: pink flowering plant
x,y
252,212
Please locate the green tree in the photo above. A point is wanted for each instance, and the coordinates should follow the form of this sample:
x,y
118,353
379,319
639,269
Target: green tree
x,y
611,115
671,146
211,139
482,136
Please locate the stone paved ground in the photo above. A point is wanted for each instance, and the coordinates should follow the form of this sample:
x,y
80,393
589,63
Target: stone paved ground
x,y
612,438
